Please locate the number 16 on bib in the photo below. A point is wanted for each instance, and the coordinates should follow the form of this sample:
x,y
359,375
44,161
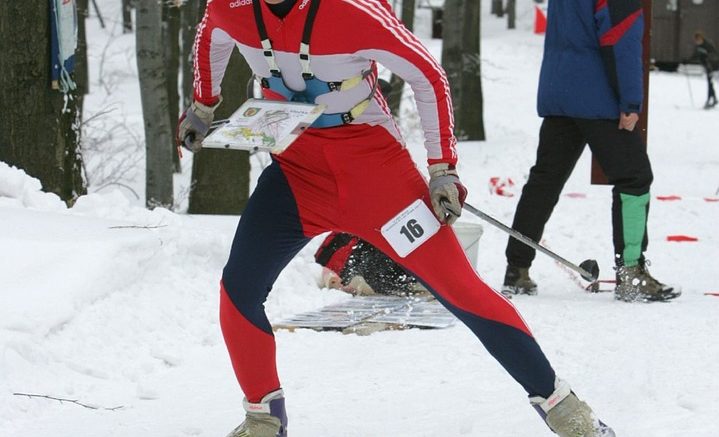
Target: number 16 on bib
x,y
410,228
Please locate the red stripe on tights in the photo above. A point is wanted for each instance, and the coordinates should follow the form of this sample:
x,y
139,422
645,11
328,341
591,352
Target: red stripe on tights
x,y
252,351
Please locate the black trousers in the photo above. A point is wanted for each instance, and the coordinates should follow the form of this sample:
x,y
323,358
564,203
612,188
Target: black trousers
x,y
621,154
711,94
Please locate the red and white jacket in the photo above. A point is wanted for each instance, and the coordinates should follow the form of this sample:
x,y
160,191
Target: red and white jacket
x,y
348,37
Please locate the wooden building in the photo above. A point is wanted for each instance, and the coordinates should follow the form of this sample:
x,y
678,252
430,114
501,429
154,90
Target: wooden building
x,y
673,25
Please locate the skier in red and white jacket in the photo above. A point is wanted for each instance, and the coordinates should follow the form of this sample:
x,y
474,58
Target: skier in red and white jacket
x,y
350,172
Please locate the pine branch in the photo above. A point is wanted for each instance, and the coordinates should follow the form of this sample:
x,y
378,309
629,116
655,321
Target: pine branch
x,y
138,227
72,401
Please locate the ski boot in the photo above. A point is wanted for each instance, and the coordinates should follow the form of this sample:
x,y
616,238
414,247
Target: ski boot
x,y
635,284
517,281
265,419
567,416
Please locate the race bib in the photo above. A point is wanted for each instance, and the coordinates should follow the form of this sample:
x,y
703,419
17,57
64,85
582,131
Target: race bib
x,y
410,228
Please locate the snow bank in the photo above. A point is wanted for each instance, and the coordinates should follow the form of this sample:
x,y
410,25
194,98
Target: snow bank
x,y
19,189
114,305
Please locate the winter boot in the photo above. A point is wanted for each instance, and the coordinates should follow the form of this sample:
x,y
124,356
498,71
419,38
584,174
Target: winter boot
x,y
517,281
567,416
635,284
265,419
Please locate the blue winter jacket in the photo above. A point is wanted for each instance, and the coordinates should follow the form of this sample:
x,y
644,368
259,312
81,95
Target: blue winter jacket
x,y
592,66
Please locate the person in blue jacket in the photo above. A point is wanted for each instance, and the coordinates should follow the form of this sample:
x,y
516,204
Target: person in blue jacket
x,y
591,92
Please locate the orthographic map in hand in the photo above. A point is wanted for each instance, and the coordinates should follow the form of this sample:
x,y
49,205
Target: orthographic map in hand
x,y
264,125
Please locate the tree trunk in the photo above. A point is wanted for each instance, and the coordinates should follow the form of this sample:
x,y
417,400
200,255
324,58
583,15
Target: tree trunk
x,y
511,14
461,60
39,127
126,16
221,178
189,20
395,97
153,92
81,65
497,8
171,30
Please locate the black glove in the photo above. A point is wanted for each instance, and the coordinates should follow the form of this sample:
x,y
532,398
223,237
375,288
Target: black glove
x,y
194,124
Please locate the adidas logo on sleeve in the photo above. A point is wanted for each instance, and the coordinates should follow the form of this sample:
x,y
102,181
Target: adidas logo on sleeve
x,y
238,3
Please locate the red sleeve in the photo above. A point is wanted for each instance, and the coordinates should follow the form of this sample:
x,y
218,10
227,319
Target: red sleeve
x,y
386,40
212,51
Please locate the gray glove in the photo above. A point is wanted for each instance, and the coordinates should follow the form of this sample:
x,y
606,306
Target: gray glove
x,y
194,124
446,192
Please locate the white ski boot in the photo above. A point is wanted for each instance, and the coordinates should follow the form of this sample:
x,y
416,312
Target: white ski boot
x,y
567,416
265,419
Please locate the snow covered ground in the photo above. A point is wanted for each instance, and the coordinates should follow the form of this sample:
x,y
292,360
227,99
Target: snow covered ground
x,y
115,306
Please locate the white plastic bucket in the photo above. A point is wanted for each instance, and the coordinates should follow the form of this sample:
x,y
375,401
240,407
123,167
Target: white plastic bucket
x,y
468,235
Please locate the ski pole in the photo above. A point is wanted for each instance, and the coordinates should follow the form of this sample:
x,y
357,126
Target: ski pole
x,y
588,269
689,85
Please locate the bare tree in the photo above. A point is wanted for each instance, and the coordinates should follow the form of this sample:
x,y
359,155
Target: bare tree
x,y
497,8
126,16
153,91
395,97
190,16
39,126
81,65
461,60
221,178
171,36
511,14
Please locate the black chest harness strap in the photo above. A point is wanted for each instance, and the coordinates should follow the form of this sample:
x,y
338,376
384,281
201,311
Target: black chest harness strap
x,y
314,87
